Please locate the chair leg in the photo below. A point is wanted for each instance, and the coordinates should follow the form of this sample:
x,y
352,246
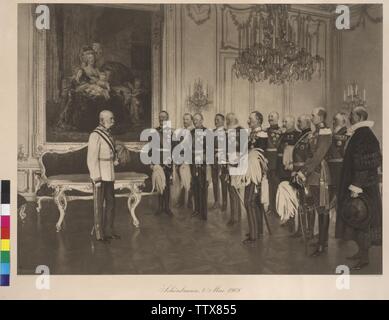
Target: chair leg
x,y
39,205
22,212
61,201
132,202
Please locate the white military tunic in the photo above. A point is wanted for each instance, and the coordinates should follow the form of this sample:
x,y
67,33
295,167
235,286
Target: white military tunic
x,y
101,156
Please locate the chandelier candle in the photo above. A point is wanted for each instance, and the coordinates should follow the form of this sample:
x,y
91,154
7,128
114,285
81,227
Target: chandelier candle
x,y
352,98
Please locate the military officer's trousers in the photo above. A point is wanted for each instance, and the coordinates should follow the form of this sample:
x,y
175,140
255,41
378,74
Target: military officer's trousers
x,y
218,174
235,205
104,209
336,171
181,199
323,215
164,198
273,185
282,173
252,202
200,189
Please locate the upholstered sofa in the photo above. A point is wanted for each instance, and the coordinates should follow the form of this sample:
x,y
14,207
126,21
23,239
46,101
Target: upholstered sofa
x,y
64,177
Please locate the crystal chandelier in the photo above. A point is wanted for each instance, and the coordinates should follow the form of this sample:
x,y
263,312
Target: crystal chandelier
x,y
270,50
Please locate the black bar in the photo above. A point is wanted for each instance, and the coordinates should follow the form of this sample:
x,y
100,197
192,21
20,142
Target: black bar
x,y
5,191
245,309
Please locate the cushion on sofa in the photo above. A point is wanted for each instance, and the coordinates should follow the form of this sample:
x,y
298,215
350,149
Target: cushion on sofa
x,y
71,167
74,162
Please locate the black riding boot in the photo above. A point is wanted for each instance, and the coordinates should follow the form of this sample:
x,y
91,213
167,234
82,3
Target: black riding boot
x,y
251,216
311,223
163,205
363,242
166,200
160,204
326,229
300,226
259,214
324,220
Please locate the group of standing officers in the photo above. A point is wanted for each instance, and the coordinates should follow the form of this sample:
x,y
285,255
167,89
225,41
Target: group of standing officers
x,y
336,168
307,151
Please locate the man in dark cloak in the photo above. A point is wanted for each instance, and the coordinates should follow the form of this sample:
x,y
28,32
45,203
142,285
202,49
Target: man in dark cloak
x,y
359,198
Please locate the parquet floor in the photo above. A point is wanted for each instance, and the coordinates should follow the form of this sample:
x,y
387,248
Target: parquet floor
x,y
168,245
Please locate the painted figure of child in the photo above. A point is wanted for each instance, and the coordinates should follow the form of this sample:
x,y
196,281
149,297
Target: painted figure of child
x,y
135,101
101,87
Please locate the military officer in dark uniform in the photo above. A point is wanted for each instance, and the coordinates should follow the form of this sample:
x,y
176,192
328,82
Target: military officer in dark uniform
x,y
233,130
315,174
336,152
199,167
301,152
252,195
274,133
167,166
218,170
285,147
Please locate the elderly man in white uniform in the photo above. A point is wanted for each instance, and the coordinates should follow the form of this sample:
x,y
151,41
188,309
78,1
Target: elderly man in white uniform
x,y
102,157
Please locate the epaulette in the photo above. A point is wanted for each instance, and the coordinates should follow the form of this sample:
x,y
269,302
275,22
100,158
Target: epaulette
x,y
262,134
325,131
341,137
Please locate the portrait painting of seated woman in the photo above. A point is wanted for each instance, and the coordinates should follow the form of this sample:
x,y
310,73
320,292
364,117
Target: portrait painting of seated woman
x,y
98,71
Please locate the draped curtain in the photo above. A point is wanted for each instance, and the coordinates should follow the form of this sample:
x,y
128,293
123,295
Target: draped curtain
x,y
53,56
71,27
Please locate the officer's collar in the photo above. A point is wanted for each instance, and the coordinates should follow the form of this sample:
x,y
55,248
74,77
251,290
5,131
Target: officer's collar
x,y
338,128
361,124
233,127
101,127
289,130
163,128
201,128
220,128
274,126
257,129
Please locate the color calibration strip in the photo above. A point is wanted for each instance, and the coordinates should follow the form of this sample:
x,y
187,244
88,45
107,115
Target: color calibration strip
x,y
5,233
